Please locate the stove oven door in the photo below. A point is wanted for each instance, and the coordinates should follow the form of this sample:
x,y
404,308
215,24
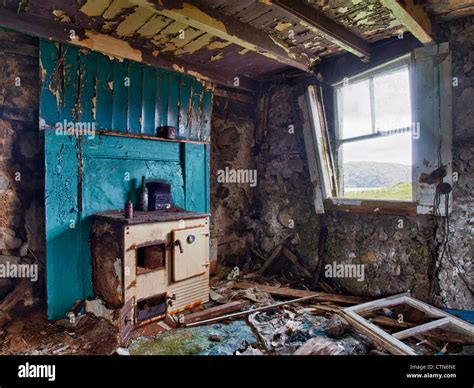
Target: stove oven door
x,y
190,252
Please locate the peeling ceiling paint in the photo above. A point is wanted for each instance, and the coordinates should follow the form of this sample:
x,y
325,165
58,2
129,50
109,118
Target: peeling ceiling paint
x,y
116,8
95,8
134,21
108,45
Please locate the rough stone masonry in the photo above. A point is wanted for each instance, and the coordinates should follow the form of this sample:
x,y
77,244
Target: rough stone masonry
x,y
21,155
397,259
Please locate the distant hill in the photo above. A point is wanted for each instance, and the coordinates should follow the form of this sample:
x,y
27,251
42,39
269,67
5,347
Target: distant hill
x,y
375,174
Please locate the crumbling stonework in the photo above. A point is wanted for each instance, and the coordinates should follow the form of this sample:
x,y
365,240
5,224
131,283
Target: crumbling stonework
x,y
232,204
399,253
453,290
21,155
286,206
395,253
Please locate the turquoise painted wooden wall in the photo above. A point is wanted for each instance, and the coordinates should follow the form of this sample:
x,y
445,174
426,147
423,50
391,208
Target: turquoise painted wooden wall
x,y
91,173
128,97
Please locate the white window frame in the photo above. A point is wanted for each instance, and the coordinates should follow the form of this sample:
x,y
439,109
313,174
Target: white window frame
x,y
369,75
431,104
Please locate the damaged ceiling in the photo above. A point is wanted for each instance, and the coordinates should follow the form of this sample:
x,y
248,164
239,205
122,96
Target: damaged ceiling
x,y
220,40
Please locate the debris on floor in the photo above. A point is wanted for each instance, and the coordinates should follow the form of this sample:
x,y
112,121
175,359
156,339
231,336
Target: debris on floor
x,y
286,331
216,339
267,316
33,334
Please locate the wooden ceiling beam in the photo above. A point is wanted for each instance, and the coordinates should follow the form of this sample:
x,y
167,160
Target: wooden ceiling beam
x,y
327,28
61,32
413,17
197,15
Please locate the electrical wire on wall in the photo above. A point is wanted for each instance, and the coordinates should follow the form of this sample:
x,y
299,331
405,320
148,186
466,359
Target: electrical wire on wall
x,y
445,189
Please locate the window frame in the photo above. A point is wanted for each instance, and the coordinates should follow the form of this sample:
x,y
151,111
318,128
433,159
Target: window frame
x,y
386,206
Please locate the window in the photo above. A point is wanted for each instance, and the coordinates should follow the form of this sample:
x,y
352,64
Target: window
x,y
393,137
374,130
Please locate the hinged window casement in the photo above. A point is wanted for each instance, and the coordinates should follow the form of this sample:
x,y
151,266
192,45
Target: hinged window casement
x,y
393,138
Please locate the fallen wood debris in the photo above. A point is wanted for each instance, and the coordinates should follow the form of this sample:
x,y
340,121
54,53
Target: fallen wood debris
x,y
251,311
294,293
12,299
281,250
214,312
295,261
275,254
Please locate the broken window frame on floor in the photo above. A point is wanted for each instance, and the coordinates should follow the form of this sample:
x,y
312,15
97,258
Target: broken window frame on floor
x,y
392,342
431,93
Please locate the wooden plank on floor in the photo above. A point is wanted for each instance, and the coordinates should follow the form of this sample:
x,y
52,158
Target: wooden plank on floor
x,y
291,292
216,311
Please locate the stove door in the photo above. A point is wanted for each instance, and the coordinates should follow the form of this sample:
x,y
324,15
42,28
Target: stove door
x,y
190,252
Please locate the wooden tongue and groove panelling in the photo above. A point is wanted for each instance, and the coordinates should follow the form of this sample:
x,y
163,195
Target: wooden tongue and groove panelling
x,y
148,29
290,32
161,34
366,19
121,96
99,171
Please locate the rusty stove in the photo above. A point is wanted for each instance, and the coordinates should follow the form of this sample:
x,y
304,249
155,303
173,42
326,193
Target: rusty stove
x,y
153,264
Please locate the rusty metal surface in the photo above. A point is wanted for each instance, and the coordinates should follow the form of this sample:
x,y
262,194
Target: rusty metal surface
x,y
126,320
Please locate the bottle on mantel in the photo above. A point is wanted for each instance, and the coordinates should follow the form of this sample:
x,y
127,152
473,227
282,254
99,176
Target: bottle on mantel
x,y
143,197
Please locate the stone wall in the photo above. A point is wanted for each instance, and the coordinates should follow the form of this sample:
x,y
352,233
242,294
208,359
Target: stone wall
x,y
233,204
285,203
399,253
452,286
21,155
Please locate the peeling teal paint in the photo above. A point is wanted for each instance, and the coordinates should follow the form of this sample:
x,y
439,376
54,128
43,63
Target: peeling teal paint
x,y
79,85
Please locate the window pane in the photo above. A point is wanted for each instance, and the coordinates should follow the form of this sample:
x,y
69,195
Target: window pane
x,y
354,109
392,100
378,168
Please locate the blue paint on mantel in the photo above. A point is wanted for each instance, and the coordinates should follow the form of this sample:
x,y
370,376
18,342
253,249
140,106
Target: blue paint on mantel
x,y
85,86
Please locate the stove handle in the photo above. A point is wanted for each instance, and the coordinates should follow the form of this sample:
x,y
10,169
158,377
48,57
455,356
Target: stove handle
x,y
180,246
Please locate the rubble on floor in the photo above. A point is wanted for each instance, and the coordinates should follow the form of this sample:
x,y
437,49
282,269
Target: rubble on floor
x,y
264,317
33,334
